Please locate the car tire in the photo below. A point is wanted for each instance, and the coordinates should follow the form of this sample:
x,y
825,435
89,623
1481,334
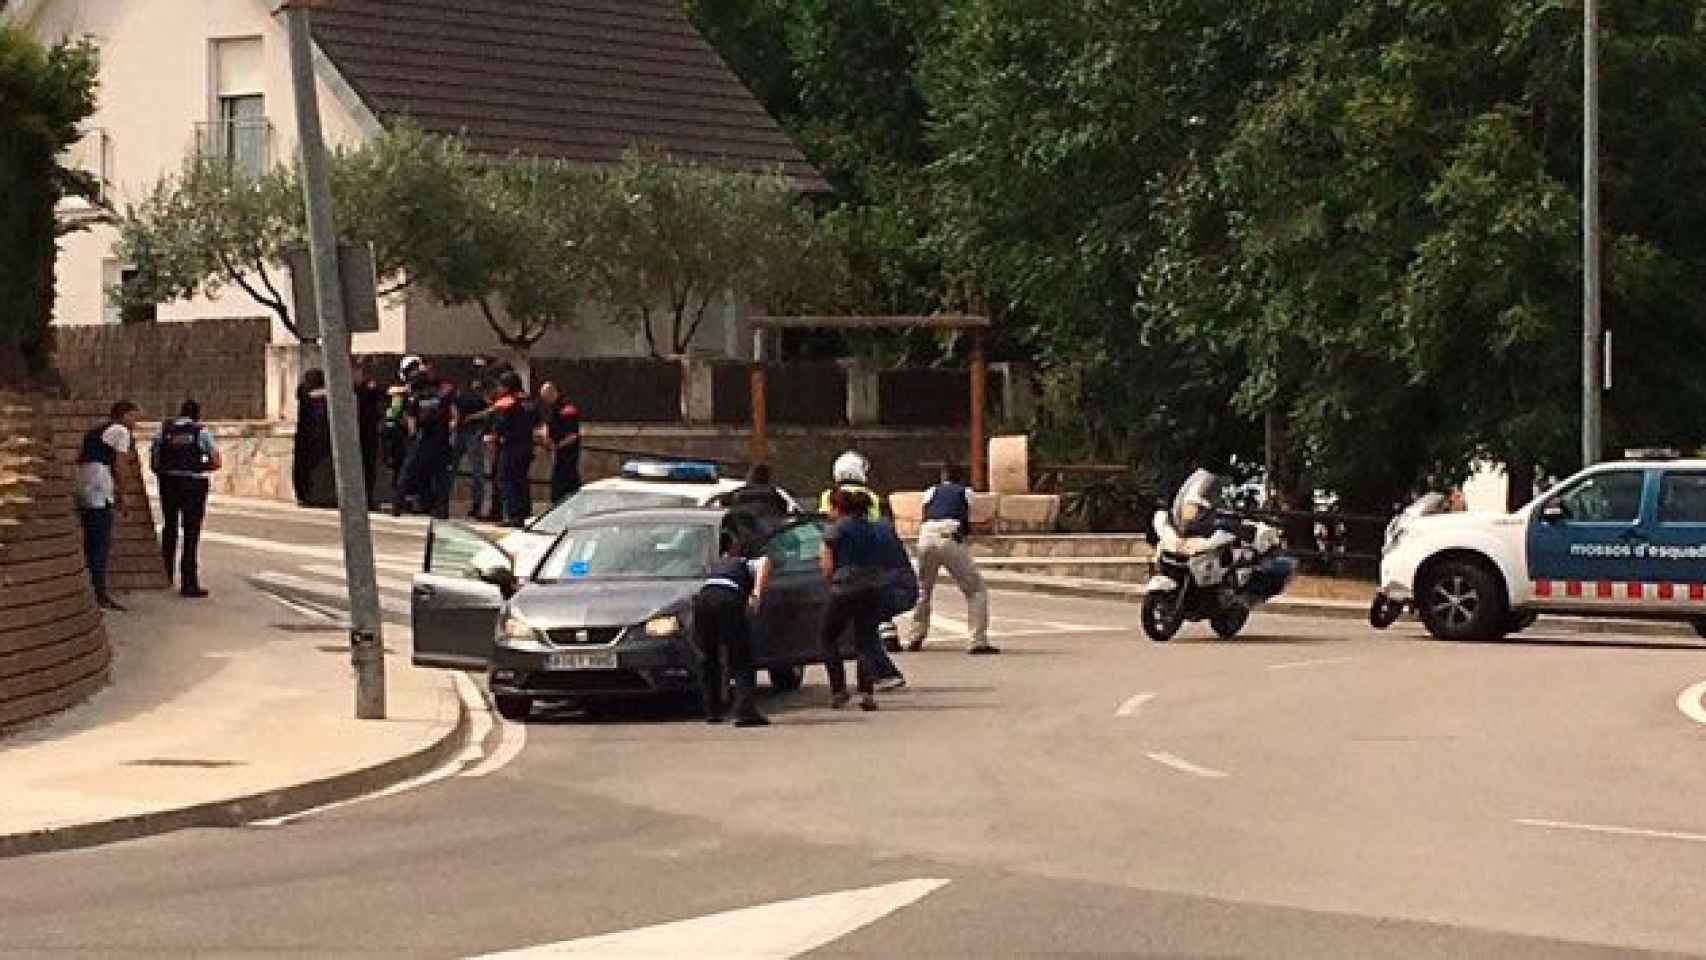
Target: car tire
x,y
1517,622
1228,622
1161,616
1699,625
1461,600
786,679
514,708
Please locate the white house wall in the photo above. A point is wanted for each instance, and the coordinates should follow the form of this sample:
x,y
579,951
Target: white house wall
x,y
435,329
156,85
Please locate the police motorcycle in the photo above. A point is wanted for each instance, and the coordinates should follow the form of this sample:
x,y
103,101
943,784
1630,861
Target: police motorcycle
x,y
1210,565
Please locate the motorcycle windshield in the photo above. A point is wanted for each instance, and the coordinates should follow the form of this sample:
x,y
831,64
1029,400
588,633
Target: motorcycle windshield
x,y
1193,505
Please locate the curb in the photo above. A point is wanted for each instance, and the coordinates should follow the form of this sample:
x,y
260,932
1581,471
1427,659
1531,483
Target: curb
x,y
238,811
1132,593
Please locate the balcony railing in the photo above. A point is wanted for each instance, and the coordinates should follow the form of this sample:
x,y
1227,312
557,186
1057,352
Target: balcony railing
x,y
245,144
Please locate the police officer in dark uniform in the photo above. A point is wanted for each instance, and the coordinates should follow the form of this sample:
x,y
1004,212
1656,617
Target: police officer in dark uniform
x,y
514,418
720,628
369,414
435,461
183,454
563,437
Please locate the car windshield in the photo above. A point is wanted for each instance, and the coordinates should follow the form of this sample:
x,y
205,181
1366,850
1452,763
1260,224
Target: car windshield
x,y
630,549
588,502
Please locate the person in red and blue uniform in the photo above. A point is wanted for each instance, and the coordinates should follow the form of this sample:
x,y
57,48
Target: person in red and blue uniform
x,y
563,439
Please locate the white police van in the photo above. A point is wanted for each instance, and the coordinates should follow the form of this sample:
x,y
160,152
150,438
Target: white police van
x,y
1625,538
643,483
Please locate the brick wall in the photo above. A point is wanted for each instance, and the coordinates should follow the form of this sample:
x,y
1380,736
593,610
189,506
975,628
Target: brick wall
x,y
221,363
53,648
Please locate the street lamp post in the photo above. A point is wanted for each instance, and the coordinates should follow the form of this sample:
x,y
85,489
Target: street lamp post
x,y
367,646
1593,370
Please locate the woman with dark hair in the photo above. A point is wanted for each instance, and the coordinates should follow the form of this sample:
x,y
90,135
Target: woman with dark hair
x,y
853,561
313,445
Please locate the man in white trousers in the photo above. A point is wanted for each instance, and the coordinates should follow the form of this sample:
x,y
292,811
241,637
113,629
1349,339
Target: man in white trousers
x,y
942,543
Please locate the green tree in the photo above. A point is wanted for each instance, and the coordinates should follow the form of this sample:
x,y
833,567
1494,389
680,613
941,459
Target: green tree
x,y
45,93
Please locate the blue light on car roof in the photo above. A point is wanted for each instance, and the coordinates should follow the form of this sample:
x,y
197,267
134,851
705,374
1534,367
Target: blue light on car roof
x,y
686,471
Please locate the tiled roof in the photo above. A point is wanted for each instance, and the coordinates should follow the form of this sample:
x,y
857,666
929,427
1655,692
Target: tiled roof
x,y
580,80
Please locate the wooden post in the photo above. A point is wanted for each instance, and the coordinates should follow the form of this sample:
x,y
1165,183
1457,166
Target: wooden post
x,y
760,442
979,372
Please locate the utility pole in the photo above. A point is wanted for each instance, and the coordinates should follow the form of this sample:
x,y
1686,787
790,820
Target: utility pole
x,y
1593,370
367,647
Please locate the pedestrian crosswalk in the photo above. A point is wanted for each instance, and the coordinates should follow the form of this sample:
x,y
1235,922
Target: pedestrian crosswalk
x,y
318,586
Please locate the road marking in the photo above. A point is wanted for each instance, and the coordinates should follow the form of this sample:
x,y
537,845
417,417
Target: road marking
x,y
333,592
1615,831
293,549
1185,766
392,584
773,931
1689,702
1131,706
1295,664
302,609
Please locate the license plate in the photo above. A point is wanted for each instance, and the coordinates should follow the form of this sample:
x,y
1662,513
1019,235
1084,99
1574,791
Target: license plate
x,y
581,661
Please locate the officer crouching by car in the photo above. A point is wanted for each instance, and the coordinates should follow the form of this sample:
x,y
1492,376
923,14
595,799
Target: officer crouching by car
x,y
733,586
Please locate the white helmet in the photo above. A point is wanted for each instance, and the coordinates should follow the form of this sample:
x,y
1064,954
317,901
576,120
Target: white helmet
x,y
851,467
407,368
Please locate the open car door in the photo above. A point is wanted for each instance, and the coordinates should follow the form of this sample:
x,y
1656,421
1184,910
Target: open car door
x,y
797,597
454,611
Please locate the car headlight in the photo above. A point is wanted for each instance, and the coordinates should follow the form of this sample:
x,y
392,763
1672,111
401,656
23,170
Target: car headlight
x,y
516,633
667,625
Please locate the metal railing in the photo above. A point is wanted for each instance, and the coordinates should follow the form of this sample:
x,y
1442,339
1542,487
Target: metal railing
x,y
245,143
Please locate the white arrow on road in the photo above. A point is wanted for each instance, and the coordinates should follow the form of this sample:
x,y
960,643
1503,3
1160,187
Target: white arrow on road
x,y
773,931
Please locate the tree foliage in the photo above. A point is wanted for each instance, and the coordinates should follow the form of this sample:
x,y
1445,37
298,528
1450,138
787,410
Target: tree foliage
x,y
45,94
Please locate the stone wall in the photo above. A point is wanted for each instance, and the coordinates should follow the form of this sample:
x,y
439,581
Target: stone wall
x,y
53,648
220,363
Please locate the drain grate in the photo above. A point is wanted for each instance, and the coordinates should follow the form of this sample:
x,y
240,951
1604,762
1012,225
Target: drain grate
x,y
184,762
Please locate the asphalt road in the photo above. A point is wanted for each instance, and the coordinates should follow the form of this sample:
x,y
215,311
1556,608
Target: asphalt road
x,y
1311,789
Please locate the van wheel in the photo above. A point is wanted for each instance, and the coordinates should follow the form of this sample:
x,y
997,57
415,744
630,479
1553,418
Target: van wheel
x,y
786,679
1518,622
517,709
1699,625
1461,601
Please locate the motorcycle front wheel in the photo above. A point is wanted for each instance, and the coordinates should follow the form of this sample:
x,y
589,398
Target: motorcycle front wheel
x,y
1162,616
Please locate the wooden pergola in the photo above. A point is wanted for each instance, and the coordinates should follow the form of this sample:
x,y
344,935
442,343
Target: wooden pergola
x,y
979,369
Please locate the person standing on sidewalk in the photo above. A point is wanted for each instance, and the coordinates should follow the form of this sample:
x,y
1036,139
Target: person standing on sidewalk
x,y
852,561
514,418
466,446
942,543
183,454
434,459
733,586
369,414
312,446
563,439
97,492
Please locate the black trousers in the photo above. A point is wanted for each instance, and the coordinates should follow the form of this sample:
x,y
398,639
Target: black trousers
x,y
724,638
183,502
97,545
565,475
514,494
862,607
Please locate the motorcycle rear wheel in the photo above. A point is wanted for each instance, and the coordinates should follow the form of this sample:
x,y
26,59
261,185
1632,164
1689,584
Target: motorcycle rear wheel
x,y
1162,617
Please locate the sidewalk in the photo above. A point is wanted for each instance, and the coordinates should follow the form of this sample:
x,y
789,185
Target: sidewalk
x,y
216,717
1087,589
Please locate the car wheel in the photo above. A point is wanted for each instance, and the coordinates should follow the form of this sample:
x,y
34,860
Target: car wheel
x,y
1229,621
514,708
786,679
1162,617
1699,625
1461,601
1518,622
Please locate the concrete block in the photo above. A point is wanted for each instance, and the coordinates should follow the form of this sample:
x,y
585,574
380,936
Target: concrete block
x,y
984,507
1028,513
1010,464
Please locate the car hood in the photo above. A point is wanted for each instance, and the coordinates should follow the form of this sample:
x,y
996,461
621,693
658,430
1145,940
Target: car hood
x,y
1444,522
595,603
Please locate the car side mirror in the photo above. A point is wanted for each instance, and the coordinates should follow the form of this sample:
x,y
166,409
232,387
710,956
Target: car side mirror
x,y
503,578
1554,513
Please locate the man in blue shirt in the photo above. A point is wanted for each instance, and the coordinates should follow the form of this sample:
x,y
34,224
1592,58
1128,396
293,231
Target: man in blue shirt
x,y
183,454
942,542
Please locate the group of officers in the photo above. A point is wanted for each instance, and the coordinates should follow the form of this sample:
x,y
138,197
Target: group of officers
x,y
871,581
428,428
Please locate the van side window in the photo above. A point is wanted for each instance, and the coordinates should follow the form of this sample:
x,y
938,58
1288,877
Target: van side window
x,y
1682,498
1611,497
